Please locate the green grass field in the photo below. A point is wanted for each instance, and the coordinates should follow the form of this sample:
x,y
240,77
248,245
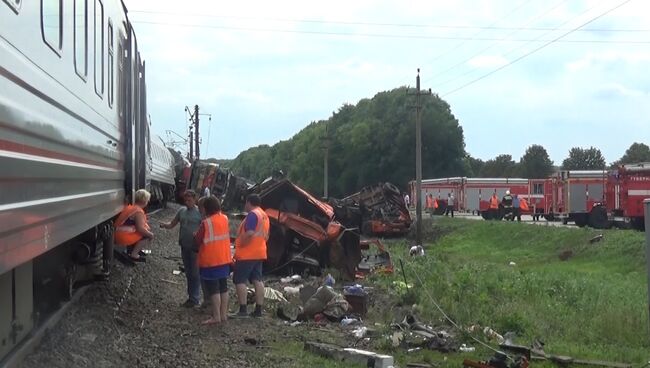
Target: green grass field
x,y
592,305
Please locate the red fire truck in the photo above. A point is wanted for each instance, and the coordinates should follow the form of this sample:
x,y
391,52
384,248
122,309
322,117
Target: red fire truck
x,y
579,197
627,187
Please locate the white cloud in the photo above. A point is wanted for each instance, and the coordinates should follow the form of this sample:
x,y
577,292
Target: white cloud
x,y
487,61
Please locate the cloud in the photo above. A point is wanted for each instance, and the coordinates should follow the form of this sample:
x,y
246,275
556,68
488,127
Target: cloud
x,y
487,61
601,59
616,90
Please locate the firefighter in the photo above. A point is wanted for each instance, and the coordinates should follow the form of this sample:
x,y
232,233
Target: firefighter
x,y
131,228
429,204
523,203
494,207
506,202
214,259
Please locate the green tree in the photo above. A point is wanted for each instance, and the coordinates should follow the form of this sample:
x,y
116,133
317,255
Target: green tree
x,y
584,159
502,166
535,163
638,152
472,165
372,141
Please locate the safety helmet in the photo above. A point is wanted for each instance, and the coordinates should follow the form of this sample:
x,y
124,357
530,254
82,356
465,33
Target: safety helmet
x,y
507,192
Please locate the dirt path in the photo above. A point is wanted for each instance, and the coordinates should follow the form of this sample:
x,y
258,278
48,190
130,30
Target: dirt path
x,y
150,329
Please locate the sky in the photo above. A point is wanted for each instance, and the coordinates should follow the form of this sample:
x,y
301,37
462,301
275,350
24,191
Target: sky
x,y
560,73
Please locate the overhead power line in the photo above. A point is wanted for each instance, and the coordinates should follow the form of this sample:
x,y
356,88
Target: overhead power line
x,y
568,21
504,38
378,24
378,35
557,39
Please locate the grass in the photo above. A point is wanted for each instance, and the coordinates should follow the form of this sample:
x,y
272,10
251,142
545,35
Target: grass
x,y
591,306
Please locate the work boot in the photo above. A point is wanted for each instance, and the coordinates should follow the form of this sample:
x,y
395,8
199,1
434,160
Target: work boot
x,y
189,304
257,313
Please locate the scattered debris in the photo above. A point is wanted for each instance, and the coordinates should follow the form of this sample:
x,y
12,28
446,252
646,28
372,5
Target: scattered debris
x,y
512,263
304,232
357,297
565,255
499,360
273,295
362,357
536,353
416,250
88,337
329,280
360,332
417,334
328,302
466,349
382,210
418,365
596,239
176,272
378,262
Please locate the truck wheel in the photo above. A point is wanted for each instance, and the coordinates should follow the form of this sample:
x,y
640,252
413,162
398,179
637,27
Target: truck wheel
x,y
598,218
581,220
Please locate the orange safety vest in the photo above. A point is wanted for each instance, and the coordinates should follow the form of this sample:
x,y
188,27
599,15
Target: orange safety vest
x,y
494,202
435,203
523,204
215,248
429,202
255,250
126,235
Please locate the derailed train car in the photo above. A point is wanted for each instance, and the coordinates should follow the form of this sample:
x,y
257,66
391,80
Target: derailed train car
x,y
74,146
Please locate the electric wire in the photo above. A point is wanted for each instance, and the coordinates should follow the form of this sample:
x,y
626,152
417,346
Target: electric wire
x,y
535,50
378,24
375,35
517,48
462,62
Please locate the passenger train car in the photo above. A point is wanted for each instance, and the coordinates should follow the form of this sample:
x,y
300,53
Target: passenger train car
x,y
74,146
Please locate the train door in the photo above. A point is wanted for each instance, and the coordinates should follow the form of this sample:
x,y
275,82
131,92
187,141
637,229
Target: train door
x,y
124,107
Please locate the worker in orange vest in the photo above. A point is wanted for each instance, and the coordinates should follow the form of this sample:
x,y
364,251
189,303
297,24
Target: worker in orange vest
x,y
213,241
494,206
131,228
250,253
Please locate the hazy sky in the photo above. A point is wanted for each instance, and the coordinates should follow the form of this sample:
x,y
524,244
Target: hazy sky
x,y
265,69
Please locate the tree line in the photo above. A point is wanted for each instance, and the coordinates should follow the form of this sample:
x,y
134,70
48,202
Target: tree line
x,y
373,141
536,163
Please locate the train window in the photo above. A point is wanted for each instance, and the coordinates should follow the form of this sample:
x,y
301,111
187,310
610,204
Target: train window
x,y
81,38
110,81
538,188
14,4
51,11
99,47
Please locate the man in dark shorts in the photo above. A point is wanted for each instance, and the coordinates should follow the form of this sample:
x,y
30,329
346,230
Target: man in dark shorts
x,y
213,240
250,253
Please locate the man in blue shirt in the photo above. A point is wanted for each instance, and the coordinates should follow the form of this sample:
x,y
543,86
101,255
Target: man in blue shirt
x,y
190,219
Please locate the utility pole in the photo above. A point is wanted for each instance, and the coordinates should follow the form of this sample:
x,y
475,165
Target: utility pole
x,y
326,147
418,157
191,142
196,129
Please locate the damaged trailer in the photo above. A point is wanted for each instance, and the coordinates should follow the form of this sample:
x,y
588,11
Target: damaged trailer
x,y
304,231
382,209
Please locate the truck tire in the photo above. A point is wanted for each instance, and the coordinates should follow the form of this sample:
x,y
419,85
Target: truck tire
x,y
581,220
598,218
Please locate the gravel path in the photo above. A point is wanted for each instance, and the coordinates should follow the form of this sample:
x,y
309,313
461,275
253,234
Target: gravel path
x,y
150,329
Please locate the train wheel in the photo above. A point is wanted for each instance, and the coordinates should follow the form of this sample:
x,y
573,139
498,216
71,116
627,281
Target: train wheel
x,y
598,218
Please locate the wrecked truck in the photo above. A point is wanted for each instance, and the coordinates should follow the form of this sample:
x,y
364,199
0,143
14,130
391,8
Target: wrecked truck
x,y
304,232
379,209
